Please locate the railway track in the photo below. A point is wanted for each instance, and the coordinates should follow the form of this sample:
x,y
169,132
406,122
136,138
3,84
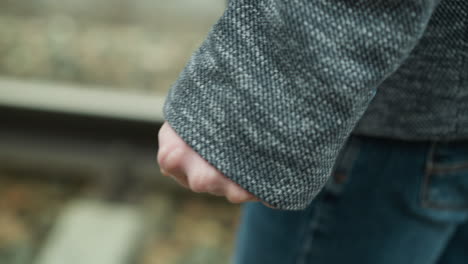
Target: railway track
x,y
77,162
65,133
54,127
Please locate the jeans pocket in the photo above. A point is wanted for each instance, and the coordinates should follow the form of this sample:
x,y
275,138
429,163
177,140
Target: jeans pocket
x,y
343,165
446,179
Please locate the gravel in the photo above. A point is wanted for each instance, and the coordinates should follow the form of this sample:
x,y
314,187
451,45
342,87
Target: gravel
x,y
133,45
181,228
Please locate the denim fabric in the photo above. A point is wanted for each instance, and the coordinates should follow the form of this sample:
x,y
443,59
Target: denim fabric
x,y
388,201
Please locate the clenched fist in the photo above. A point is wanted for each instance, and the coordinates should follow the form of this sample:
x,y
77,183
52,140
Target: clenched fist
x,y
177,160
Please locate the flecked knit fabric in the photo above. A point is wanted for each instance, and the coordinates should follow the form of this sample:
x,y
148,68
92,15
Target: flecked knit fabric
x,y
427,98
276,88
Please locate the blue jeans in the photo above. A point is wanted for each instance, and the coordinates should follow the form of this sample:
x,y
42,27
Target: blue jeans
x,y
388,202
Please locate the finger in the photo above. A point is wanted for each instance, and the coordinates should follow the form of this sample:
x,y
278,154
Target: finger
x,y
205,181
202,177
210,180
167,136
268,205
164,131
172,164
168,142
236,194
233,191
181,179
171,161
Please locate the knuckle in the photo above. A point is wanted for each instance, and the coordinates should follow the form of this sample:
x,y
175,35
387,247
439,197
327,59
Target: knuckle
x,y
236,198
205,182
170,159
162,153
213,183
211,179
197,184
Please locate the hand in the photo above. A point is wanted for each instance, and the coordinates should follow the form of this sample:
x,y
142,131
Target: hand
x,y
177,160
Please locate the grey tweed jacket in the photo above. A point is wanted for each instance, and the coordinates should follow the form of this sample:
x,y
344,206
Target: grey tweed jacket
x,y
277,87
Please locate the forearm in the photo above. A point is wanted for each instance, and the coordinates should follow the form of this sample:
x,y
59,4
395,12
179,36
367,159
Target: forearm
x,y
277,87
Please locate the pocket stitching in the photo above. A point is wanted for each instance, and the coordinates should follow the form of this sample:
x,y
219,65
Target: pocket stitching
x,y
428,175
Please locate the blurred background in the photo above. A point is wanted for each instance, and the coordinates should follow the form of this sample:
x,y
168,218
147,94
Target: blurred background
x,y
82,83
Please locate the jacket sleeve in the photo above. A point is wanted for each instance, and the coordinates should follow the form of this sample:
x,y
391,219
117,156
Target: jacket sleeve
x,y
276,88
